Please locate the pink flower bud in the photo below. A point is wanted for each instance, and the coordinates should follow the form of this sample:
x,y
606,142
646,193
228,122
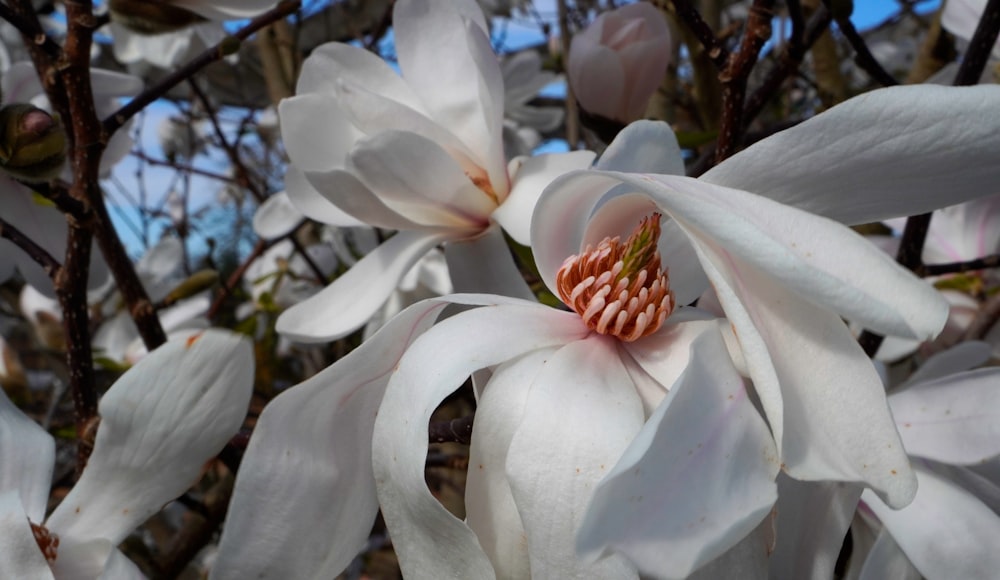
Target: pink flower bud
x,y
617,63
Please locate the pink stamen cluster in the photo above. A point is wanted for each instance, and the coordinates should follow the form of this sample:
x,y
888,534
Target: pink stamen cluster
x,y
619,289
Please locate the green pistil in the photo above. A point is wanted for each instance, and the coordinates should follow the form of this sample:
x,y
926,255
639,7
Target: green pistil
x,y
640,249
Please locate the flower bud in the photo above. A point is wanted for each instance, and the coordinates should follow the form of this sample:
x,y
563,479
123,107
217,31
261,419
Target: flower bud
x,y
32,143
151,16
616,63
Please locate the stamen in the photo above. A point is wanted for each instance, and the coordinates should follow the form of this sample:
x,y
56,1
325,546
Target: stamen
x,y
619,289
47,541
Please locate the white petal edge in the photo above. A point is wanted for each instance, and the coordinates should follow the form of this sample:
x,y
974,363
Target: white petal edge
x,y
430,542
313,444
705,458
160,422
346,304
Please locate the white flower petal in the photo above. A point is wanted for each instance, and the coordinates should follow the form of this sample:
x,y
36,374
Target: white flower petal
x,y
429,541
485,264
160,422
821,395
644,147
530,178
348,303
584,405
417,178
887,153
813,518
698,477
317,132
945,532
276,217
961,357
466,96
886,560
334,63
227,9
28,453
820,260
22,559
313,444
954,420
489,503
342,200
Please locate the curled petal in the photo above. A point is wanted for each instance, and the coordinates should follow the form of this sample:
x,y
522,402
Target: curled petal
x,y
346,305
892,152
160,422
430,542
955,419
28,454
705,459
313,444
946,532
583,402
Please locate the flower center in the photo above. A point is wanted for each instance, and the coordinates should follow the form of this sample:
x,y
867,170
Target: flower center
x,y
619,289
47,541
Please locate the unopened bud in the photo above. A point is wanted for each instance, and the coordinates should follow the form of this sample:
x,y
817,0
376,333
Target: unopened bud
x,y
32,143
151,17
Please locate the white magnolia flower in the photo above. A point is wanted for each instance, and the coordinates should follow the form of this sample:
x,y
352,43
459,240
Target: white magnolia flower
x,y
421,153
160,422
784,278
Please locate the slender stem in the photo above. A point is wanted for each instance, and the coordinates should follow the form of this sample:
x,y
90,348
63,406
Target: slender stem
x,y
863,56
227,46
981,46
991,261
715,50
40,255
572,109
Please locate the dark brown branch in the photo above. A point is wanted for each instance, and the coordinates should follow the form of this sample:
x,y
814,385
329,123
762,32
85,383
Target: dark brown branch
x,y
58,193
40,255
788,62
980,46
236,277
224,48
30,28
736,73
714,48
991,261
862,55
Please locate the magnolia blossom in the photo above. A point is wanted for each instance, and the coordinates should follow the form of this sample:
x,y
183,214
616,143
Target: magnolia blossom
x,y
784,278
166,50
421,153
160,422
616,63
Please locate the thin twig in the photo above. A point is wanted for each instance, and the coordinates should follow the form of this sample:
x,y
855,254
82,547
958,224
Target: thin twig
x,y
991,261
40,255
715,50
862,55
227,46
